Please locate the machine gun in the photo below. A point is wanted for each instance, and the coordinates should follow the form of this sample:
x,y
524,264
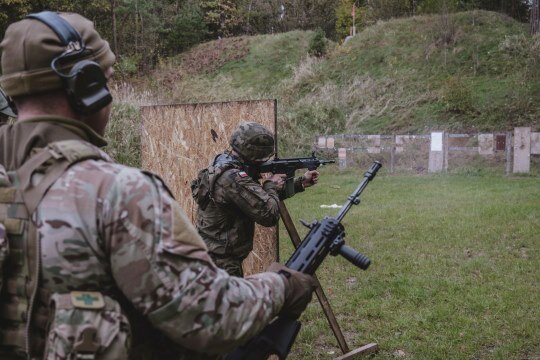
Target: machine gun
x,y
325,237
288,167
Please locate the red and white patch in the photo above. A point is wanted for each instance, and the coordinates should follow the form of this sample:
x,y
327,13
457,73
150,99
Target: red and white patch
x,y
242,174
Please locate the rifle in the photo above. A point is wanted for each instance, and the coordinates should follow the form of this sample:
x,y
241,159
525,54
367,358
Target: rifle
x,y
324,237
288,167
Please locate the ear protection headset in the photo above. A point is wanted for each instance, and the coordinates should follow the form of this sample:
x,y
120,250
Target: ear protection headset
x,y
85,84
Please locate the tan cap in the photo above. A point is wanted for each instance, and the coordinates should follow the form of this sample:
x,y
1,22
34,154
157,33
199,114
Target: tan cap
x,y
29,46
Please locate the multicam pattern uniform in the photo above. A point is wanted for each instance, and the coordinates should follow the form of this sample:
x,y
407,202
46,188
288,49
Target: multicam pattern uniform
x,y
104,226
227,224
108,228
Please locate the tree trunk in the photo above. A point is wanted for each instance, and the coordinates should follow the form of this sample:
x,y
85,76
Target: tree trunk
x,y
113,20
535,17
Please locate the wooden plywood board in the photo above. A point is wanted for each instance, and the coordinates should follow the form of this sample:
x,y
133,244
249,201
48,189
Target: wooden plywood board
x,y
180,140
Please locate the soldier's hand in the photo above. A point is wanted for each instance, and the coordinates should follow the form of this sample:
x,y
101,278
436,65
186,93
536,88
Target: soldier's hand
x,y
279,180
310,178
299,289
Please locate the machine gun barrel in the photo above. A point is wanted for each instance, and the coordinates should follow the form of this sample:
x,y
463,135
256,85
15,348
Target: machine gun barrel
x,y
325,237
354,198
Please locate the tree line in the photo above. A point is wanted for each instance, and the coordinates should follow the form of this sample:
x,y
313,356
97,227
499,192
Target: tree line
x,y
141,32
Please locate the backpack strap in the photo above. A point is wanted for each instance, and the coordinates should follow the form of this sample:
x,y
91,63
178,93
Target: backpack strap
x,y
50,163
32,181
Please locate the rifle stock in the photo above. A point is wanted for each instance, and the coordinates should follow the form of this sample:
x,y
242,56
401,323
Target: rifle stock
x,y
325,237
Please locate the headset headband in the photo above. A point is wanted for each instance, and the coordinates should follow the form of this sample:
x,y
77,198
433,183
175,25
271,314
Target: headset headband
x,y
85,83
65,32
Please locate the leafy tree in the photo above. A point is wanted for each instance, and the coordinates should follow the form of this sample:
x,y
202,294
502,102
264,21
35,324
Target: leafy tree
x,y
11,11
387,9
223,17
344,19
188,28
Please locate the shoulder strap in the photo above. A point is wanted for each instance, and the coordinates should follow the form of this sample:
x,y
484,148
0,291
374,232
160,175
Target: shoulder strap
x,y
51,162
216,172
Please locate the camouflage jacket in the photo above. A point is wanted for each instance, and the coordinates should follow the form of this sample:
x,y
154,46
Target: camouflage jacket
x,y
117,230
227,224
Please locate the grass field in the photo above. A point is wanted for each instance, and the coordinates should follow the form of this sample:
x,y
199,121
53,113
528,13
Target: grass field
x,y
455,267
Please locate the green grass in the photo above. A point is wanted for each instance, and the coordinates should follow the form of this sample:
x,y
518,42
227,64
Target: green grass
x,y
455,268
123,135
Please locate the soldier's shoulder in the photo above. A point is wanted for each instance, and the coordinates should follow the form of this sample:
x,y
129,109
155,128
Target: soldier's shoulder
x,y
104,169
107,175
234,176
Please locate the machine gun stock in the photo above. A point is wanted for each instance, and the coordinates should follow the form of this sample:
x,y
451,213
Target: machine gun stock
x,y
325,237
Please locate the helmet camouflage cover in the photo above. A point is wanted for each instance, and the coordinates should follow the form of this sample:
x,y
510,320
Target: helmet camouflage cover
x,y
252,141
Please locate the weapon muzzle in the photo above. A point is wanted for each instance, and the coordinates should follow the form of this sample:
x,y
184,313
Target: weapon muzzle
x,y
372,171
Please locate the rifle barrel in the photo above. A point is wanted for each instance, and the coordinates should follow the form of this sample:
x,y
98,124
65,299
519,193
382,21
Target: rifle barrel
x,y
368,176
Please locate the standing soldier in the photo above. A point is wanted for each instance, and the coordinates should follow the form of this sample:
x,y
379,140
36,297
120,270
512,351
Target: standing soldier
x,y
231,199
96,258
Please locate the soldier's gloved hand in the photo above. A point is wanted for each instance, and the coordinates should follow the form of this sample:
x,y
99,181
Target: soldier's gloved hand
x,y
310,178
279,179
299,289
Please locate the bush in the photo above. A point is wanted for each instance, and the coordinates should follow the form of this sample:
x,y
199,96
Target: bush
x,y
189,28
317,45
127,66
457,96
124,135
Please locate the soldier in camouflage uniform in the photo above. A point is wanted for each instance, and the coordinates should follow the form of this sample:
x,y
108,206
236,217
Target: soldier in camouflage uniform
x,y
97,260
232,199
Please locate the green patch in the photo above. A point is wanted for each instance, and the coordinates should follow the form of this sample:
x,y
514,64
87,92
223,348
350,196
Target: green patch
x,y
455,267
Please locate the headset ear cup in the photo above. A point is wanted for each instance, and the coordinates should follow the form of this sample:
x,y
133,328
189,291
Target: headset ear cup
x,y
86,87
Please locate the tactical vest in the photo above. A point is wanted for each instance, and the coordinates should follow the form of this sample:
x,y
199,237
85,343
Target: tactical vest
x,y
24,305
202,188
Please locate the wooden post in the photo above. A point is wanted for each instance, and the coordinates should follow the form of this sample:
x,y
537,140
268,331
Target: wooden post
x,y
323,300
522,150
342,158
364,350
437,153
508,152
445,149
393,154
534,17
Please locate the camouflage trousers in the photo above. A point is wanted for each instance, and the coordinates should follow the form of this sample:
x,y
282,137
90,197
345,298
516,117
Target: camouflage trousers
x,y
232,265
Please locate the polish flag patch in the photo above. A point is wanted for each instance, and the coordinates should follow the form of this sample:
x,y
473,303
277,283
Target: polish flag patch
x,y
242,174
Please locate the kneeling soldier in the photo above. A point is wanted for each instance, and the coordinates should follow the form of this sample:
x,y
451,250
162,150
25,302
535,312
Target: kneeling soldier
x,y
97,260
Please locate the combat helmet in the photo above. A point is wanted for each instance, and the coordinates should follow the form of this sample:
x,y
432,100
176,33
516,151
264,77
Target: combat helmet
x,y
252,141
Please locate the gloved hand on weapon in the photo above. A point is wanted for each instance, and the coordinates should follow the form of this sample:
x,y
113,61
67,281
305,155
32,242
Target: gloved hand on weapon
x,y
299,289
310,178
278,179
